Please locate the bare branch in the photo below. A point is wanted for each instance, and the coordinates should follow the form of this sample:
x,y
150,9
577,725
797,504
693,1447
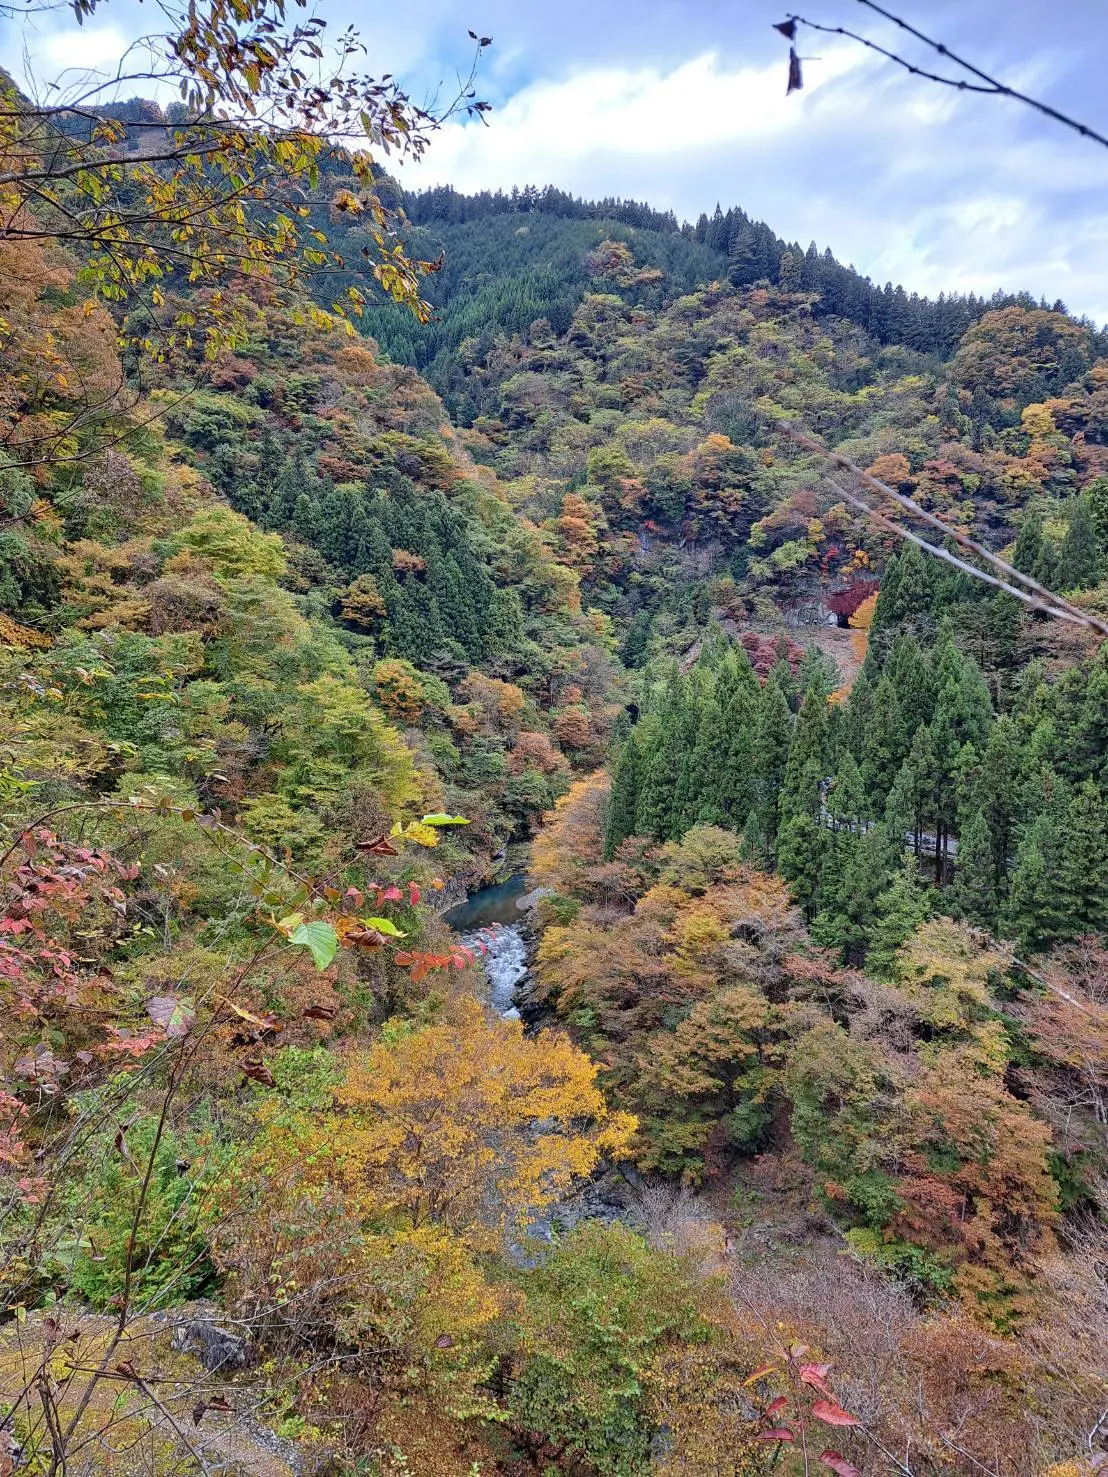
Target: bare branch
x,y
986,84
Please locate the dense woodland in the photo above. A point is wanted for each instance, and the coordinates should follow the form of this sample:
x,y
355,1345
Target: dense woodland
x,y
301,626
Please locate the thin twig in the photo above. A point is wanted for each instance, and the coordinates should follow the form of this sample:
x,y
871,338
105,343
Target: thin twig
x,y
986,84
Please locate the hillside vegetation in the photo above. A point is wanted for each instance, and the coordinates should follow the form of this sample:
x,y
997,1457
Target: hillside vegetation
x,y
292,648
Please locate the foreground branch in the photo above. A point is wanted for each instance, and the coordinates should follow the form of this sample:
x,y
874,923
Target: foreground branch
x,y
988,85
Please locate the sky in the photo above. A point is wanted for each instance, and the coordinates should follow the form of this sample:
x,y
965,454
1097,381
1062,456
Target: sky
x,y
682,103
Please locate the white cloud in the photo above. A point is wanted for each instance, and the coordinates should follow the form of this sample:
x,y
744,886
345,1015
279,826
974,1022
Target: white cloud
x,y
549,127
911,182
938,190
96,46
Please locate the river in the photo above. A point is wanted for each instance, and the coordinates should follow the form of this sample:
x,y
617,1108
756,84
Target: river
x,y
608,1195
505,959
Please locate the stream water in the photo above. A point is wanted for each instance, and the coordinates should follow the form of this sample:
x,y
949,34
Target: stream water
x,y
505,959
605,1196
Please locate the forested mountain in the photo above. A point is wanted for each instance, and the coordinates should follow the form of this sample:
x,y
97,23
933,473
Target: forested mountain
x,y
509,259
301,626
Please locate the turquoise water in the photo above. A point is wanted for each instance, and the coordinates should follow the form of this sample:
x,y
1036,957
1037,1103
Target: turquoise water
x,y
503,951
496,904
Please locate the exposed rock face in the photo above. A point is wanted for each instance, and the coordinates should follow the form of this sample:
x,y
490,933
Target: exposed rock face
x,y
219,1349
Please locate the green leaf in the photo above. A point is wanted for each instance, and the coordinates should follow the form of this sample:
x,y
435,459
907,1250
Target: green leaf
x,y
385,926
319,938
444,820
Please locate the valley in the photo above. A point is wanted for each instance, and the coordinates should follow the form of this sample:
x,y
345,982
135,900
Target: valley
x,y
532,912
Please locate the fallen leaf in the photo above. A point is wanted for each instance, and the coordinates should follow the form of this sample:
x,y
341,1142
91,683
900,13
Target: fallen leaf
x,y
257,1071
838,1463
833,1415
174,1017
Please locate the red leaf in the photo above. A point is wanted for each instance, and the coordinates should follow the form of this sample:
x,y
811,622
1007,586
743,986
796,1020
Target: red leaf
x,y
838,1463
760,1374
816,1376
774,1406
833,1415
414,894
379,846
778,1433
321,1012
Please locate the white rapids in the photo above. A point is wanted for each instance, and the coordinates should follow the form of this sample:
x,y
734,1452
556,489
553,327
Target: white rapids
x,y
504,963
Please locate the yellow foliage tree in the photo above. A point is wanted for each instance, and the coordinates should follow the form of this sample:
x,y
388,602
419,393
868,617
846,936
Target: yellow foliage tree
x,y
469,1123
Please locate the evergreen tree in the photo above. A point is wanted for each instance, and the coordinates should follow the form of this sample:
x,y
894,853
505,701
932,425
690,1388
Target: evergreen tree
x,y
998,786
884,744
1078,566
1082,872
802,842
637,640
913,598
1096,495
858,715
1031,914
914,685
885,612
623,799
1090,738
663,763
855,875
808,760
1028,552
910,805
710,764
503,626
739,697
771,753
898,912
973,893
